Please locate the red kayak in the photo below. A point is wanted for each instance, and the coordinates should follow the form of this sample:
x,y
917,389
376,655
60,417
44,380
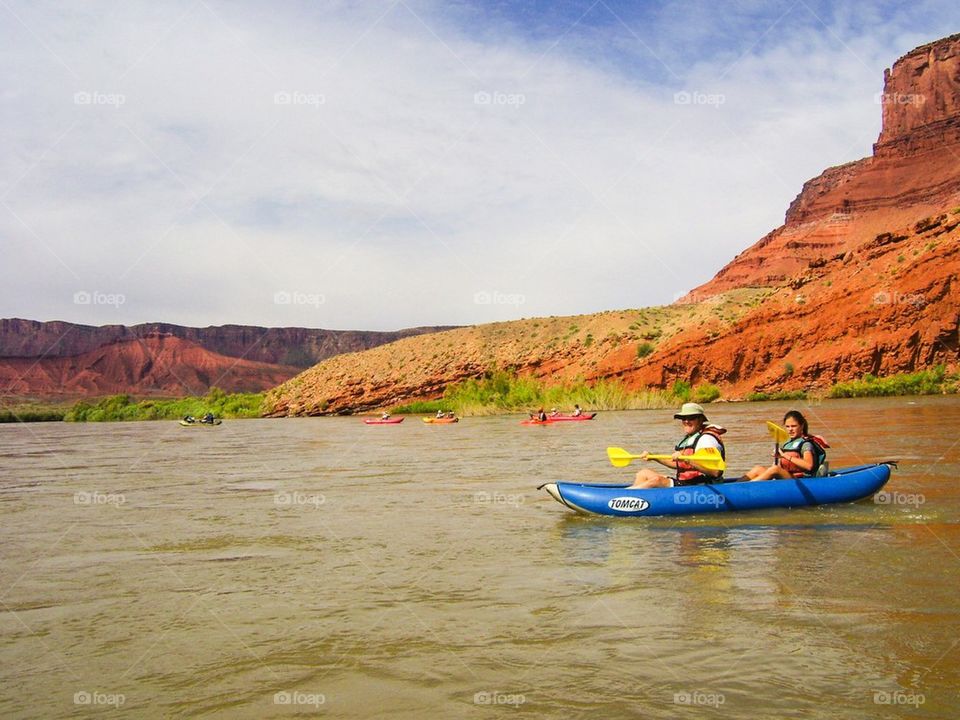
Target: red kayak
x,y
559,418
378,421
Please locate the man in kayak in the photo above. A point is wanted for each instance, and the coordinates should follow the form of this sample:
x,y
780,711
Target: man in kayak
x,y
539,415
800,456
698,434
385,415
208,419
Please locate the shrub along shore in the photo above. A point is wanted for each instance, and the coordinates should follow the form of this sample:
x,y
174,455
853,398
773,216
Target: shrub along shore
x,y
496,394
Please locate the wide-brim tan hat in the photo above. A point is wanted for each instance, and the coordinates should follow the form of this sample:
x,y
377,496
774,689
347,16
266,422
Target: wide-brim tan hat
x,y
689,410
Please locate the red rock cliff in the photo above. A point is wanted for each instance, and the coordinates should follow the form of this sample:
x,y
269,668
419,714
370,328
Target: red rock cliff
x,y
913,172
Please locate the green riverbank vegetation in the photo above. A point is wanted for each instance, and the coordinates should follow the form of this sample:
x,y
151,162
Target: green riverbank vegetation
x,y
935,381
503,392
123,407
31,412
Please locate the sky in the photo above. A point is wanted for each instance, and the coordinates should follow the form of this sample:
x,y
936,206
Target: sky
x,y
380,165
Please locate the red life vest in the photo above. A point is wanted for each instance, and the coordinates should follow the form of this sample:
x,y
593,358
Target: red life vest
x,y
790,450
687,474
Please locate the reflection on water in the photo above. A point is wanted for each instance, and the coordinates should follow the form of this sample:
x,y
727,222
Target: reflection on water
x,y
275,568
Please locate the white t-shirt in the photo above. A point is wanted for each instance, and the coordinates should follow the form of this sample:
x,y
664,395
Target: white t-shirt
x,y
707,441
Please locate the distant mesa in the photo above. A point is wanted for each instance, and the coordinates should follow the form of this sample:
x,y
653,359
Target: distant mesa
x,y
60,359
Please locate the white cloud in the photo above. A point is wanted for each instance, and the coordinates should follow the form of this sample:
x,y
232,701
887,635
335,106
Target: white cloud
x,y
393,162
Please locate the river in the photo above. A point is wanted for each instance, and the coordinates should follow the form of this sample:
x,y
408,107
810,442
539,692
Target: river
x,y
317,566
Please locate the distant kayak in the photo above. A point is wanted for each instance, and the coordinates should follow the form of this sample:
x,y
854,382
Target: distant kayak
x,y
379,421
841,486
197,423
440,421
559,418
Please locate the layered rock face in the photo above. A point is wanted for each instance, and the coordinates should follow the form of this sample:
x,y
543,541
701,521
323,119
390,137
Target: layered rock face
x,y
914,172
300,347
156,364
922,92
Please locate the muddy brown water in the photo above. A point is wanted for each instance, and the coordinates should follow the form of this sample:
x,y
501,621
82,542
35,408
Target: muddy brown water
x,y
279,568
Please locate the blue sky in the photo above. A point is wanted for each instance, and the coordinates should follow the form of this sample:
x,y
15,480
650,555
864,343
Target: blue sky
x,y
389,164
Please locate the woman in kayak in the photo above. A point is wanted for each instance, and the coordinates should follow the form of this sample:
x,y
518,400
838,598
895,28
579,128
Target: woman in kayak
x,y
385,415
539,415
800,456
577,411
698,434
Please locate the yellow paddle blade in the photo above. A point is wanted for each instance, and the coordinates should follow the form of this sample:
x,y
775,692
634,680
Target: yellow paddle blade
x,y
778,433
620,457
710,458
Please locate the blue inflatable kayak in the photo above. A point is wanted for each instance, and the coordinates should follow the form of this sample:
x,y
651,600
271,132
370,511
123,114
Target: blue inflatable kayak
x,y
840,486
